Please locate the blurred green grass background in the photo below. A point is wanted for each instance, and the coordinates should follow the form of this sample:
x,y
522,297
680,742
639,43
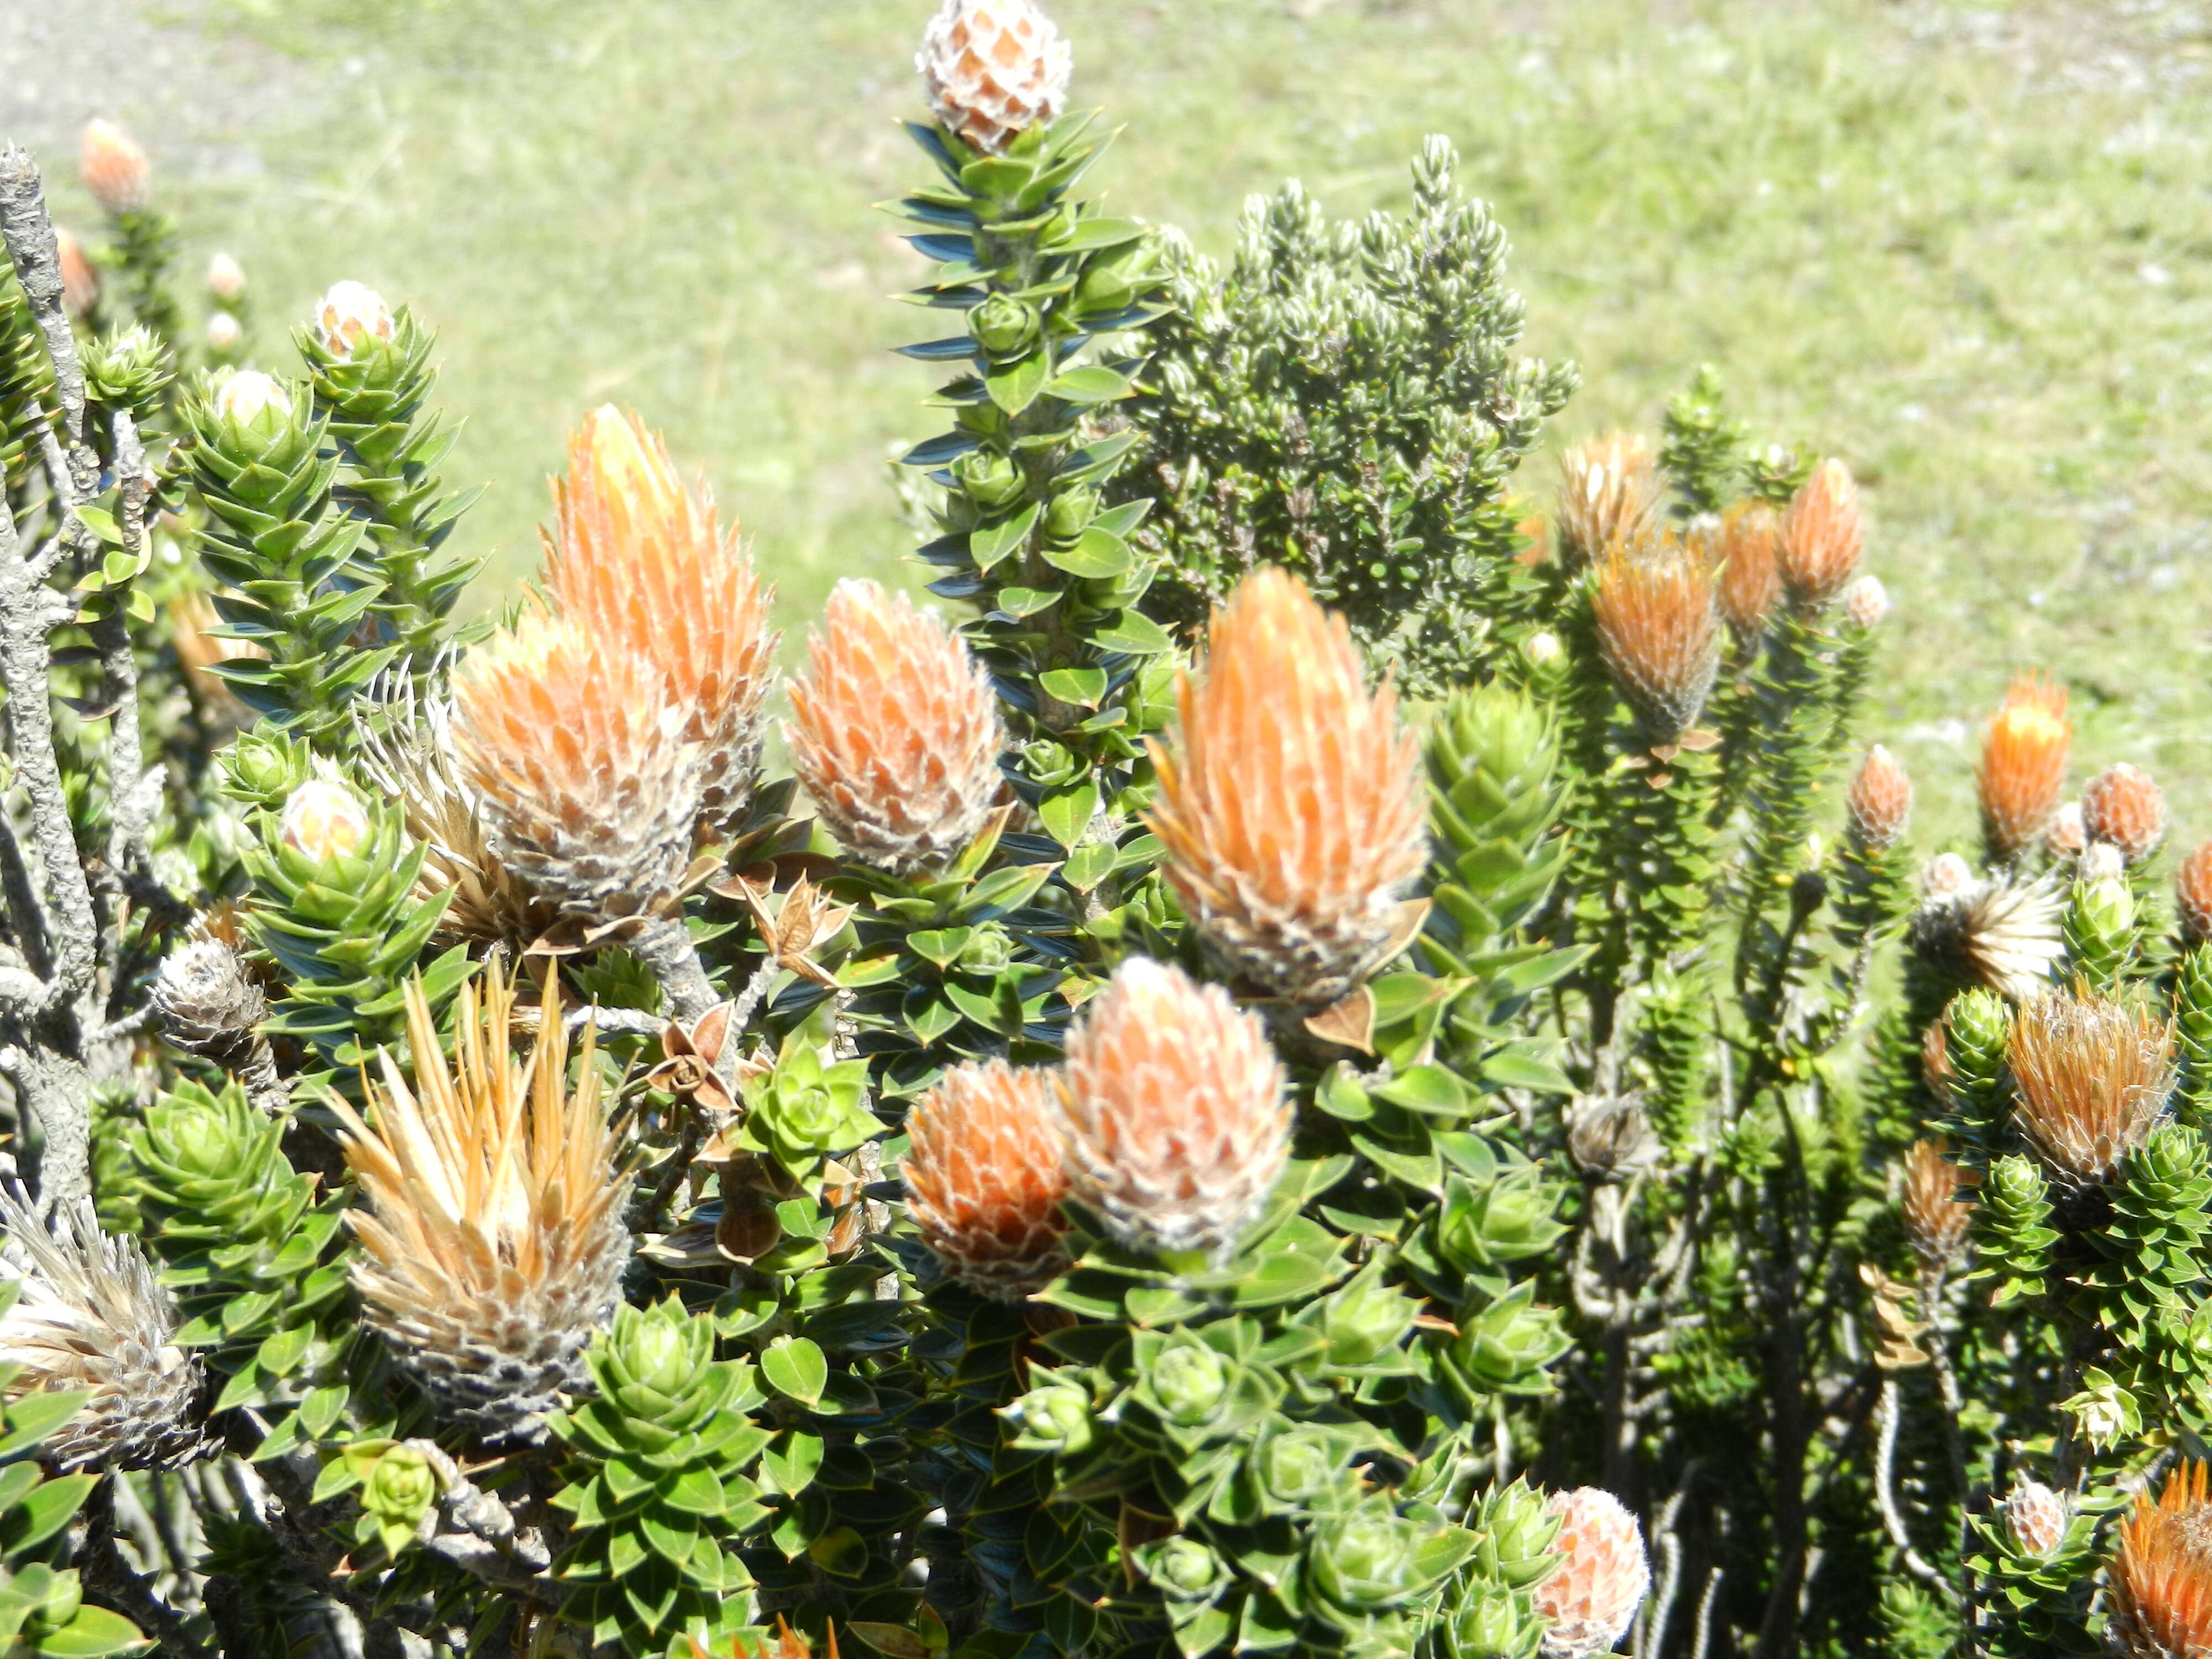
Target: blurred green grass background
x,y
1967,248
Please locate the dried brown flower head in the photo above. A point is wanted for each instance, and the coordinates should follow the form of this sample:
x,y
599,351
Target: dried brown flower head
x,y
2092,1075
1177,1123
985,1175
1880,803
1821,535
1935,1217
994,69
1290,797
895,731
2023,766
638,560
2160,1576
1658,627
1609,494
2124,808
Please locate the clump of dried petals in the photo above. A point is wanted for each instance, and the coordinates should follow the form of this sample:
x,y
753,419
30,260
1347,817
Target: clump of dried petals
x,y
1290,797
1822,534
985,1175
1880,803
895,731
994,69
2124,808
639,561
1658,627
1609,494
2023,766
1592,1597
2160,1576
1177,1123
1935,1217
2092,1075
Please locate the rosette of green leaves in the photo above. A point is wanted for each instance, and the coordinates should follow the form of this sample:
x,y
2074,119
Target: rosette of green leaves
x,y
2014,1237
809,1107
42,1606
661,1489
1490,1612
346,933
961,964
372,402
283,551
247,1250
2035,1604
130,371
2144,1291
1029,538
1977,1030
2192,1034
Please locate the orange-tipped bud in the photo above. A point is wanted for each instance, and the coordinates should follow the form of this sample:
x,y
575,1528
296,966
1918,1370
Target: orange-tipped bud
x,y
896,730
985,1175
1750,575
1290,797
994,69
1593,1594
1880,801
1177,1128
322,819
639,561
2023,768
2036,1517
79,278
1609,491
349,314
2067,835
114,166
2192,894
1821,537
2091,1076
1936,1062
1935,1217
2124,808
588,788
1659,629
2162,1574
226,279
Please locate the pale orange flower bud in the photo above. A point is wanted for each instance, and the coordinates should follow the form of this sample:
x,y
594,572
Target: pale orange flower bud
x,y
994,69
1821,535
80,279
2124,808
2192,894
2160,1576
2092,1075
2067,835
1659,629
349,314
895,731
1177,1128
1866,602
114,166
1290,797
2023,767
1880,802
588,788
1593,1594
638,560
1609,493
1750,575
985,1174
1935,1060
322,819
246,396
1947,875
226,278
224,334
1935,1217
2036,1517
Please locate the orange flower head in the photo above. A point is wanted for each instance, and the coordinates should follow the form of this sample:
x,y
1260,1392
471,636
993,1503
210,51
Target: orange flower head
x,y
638,560
2023,768
1659,628
1750,571
1821,535
114,166
1290,797
2090,1078
588,788
994,69
2124,808
2160,1574
2192,895
895,731
1609,493
1935,1217
79,278
1176,1124
1880,802
985,1175
1592,1597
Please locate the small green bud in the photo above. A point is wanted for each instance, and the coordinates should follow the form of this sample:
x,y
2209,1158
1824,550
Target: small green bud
x,y
1505,1348
64,1598
1108,286
256,411
1184,1569
1517,1527
1365,1561
991,481
128,370
398,1491
1055,1417
1364,1320
990,950
1298,1467
1512,1218
2099,928
657,1358
2105,1411
1070,515
1189,1381
1489,1623
1004,326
